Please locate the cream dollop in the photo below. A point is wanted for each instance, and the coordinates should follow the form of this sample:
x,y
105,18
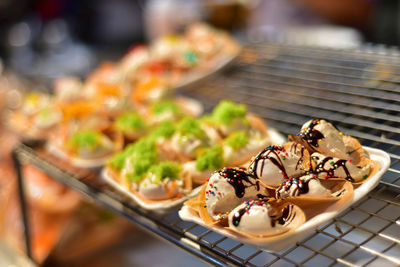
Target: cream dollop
x,y
242,155
158,191
259,218
324,138
274,164
328,167
228,188
307,185
103,148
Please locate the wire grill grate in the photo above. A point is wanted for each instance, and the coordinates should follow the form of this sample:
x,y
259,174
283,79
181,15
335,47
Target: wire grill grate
x,y
287,85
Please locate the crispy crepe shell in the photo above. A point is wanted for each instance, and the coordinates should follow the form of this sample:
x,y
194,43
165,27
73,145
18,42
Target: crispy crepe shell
x,y
357,154
116,177
343,189
198,204
299,219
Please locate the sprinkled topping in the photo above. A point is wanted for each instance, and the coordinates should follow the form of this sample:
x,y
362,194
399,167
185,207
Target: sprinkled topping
x,y
311,135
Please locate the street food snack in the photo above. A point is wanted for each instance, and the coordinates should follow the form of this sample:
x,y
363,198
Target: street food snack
x,y
286,188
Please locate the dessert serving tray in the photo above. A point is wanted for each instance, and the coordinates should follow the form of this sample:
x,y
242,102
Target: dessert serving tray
x,y
314,220
275,138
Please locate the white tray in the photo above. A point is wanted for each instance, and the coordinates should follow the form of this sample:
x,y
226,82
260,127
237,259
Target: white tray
x,y
279,242
156,205
77,162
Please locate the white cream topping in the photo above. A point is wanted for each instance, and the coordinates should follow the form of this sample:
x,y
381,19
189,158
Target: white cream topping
x,y
255,219
158,191
294,188
332,144
327,167
271,166
243,154
234,126
103,148
221,197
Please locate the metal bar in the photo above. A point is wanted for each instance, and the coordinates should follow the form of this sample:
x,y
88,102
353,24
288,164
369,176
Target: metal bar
x,y
22,203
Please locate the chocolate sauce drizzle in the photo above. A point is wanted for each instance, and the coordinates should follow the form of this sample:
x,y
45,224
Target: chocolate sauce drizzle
x,y
301,185
268,154
334,165
236,177
284,216
311,135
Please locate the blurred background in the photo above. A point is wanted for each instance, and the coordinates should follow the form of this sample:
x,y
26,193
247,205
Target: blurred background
x,y
45,39
58,37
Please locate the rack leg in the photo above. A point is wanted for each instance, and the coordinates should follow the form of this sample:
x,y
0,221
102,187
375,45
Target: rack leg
x,y
23,205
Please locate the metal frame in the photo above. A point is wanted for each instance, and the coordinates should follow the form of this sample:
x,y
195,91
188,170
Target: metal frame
x,y
287,85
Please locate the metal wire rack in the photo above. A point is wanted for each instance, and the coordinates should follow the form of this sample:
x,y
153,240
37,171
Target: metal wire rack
x,y
287,85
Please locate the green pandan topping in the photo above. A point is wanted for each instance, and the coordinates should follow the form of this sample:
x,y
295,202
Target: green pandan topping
x,y
117,162
227,110
190,127
140,169
166,129
165,106
237,140
144,155
212,159
145,148
129,122
166,169
85,139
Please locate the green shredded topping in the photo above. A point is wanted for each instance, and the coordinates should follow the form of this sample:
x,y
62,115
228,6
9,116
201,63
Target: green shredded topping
x,y
166,169
166,129
118,160
85,139
190,127
227,110
140,168
165,106
144,149
211,159
237,140
144,155
130,122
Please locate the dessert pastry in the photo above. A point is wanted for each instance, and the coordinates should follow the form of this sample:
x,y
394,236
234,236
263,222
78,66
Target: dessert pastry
x,y
326,167
190,139
264,218
323,137
163,181
276,163
36,116
308,190
145,171
243,134
284,185
205,164
131,125
228,188
89,144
